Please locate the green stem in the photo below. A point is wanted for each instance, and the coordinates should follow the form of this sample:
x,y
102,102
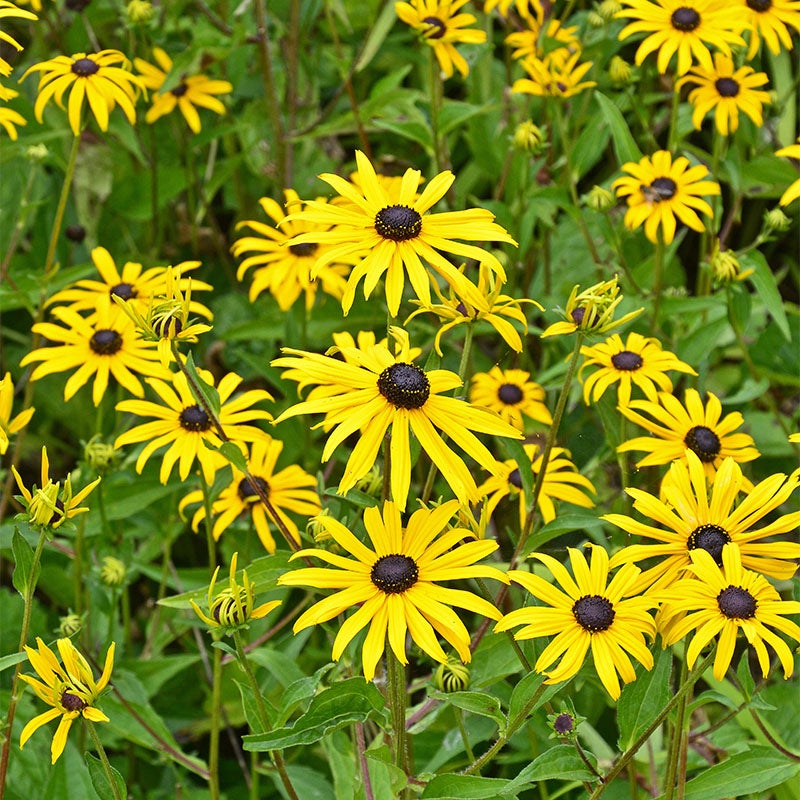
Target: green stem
x,y
396,690
435,85
209,526
463,731
61,208
216,720
677,740
658,281
106,763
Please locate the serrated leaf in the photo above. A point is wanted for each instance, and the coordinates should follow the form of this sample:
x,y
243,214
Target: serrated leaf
x,y
522,694
23,563
764,282
623,142
642,701
100,780
466,787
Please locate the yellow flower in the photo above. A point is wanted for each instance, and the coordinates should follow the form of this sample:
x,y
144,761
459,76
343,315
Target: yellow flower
x,y
8,117
395,585
769,20
93,77
725,265
69,687
8,9
196,90
10,426
793,192
526,9
440,25
538,41
556,75
659,190
511,394
726,91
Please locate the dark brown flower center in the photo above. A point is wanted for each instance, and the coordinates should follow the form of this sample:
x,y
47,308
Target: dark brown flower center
x,y
627,361
736,603
398,223
71,702
759,5
394,574
685,19
578,314
180,90
727,87
226,612
514,478
463,310
125,291
510,394
58,514
704,443
593,613
404,385
84,67
303,250
194,418
246,491
563,724
437,28
710,538
660,189
105,342
167,326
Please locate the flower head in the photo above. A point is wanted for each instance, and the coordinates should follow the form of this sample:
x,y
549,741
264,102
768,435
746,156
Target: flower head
x,y
396,584
590,613
769,21
8,9
558,74
9,426
511,394
93,77
725,265
69,687
9,118
659,190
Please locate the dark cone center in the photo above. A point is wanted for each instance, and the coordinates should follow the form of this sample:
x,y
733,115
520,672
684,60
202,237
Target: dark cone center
x,y
304,250
627,361
510,394
661,189
58,514
710,538
194,418
685,19
226,612
125,291
105,342
736,603
404,385
437,28
246,491
167,327
563,724
759,5
71,702
180,90
394,574
398,223
84,67
514,478
704,443
593,613
727,87
577,315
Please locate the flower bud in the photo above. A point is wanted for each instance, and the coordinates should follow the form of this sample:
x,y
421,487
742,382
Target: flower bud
x,y
609,8
776,220
372,482
99,455
113,571
139,12
619,70
452,676
529,137
37,153
600,199
69,625
596,19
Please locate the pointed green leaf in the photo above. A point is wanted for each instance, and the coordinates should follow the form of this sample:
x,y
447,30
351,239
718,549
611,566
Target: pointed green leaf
x,y
23,563
642,701
100,779
624,144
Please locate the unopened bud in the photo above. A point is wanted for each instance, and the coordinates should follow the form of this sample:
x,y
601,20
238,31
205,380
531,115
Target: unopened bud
x,y
596,19
139,12
608,9
113,571
69,625
452,676
37,152
529,137
619,70
99,455
600,199
776,220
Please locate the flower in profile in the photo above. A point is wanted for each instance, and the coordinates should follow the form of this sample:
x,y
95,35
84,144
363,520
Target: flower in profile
x,y
690,515
396,584
396,231
701,429
558,74
659,190
233,607
104,347
9,118
49,505
186,426
530,137
562,481
685,27
725,266
726,91
69,687
495,308
195,90
590,613
793,192
722,601
441,25
8,9
511,394
285,270
638,361
769,21
113,571
94,78
592,310
9,426
374,390
290,489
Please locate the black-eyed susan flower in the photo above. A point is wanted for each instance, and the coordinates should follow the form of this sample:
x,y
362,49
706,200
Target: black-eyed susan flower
x,y
720,602
186,426
526,9
592,310
495,308
638,361
9,118
69,687
373,391
769,21
441,26
537,40
9,10
590,613
726,91
93,77
692,425
690,515
396,583
793,192
686,27
104,347
725,266
191,91
289,490
9,426
511,394
398,234
562,481
285,270
659,190
558,74
50,505
233,607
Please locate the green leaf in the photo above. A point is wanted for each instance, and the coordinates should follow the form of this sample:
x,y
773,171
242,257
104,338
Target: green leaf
x,y
517,452
11,660
624,144
100,780
522,694
415,130
234,455
377,33
466,787
642,701
455,114
561,762
352,700
23,563
767,289
209,396
479,703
